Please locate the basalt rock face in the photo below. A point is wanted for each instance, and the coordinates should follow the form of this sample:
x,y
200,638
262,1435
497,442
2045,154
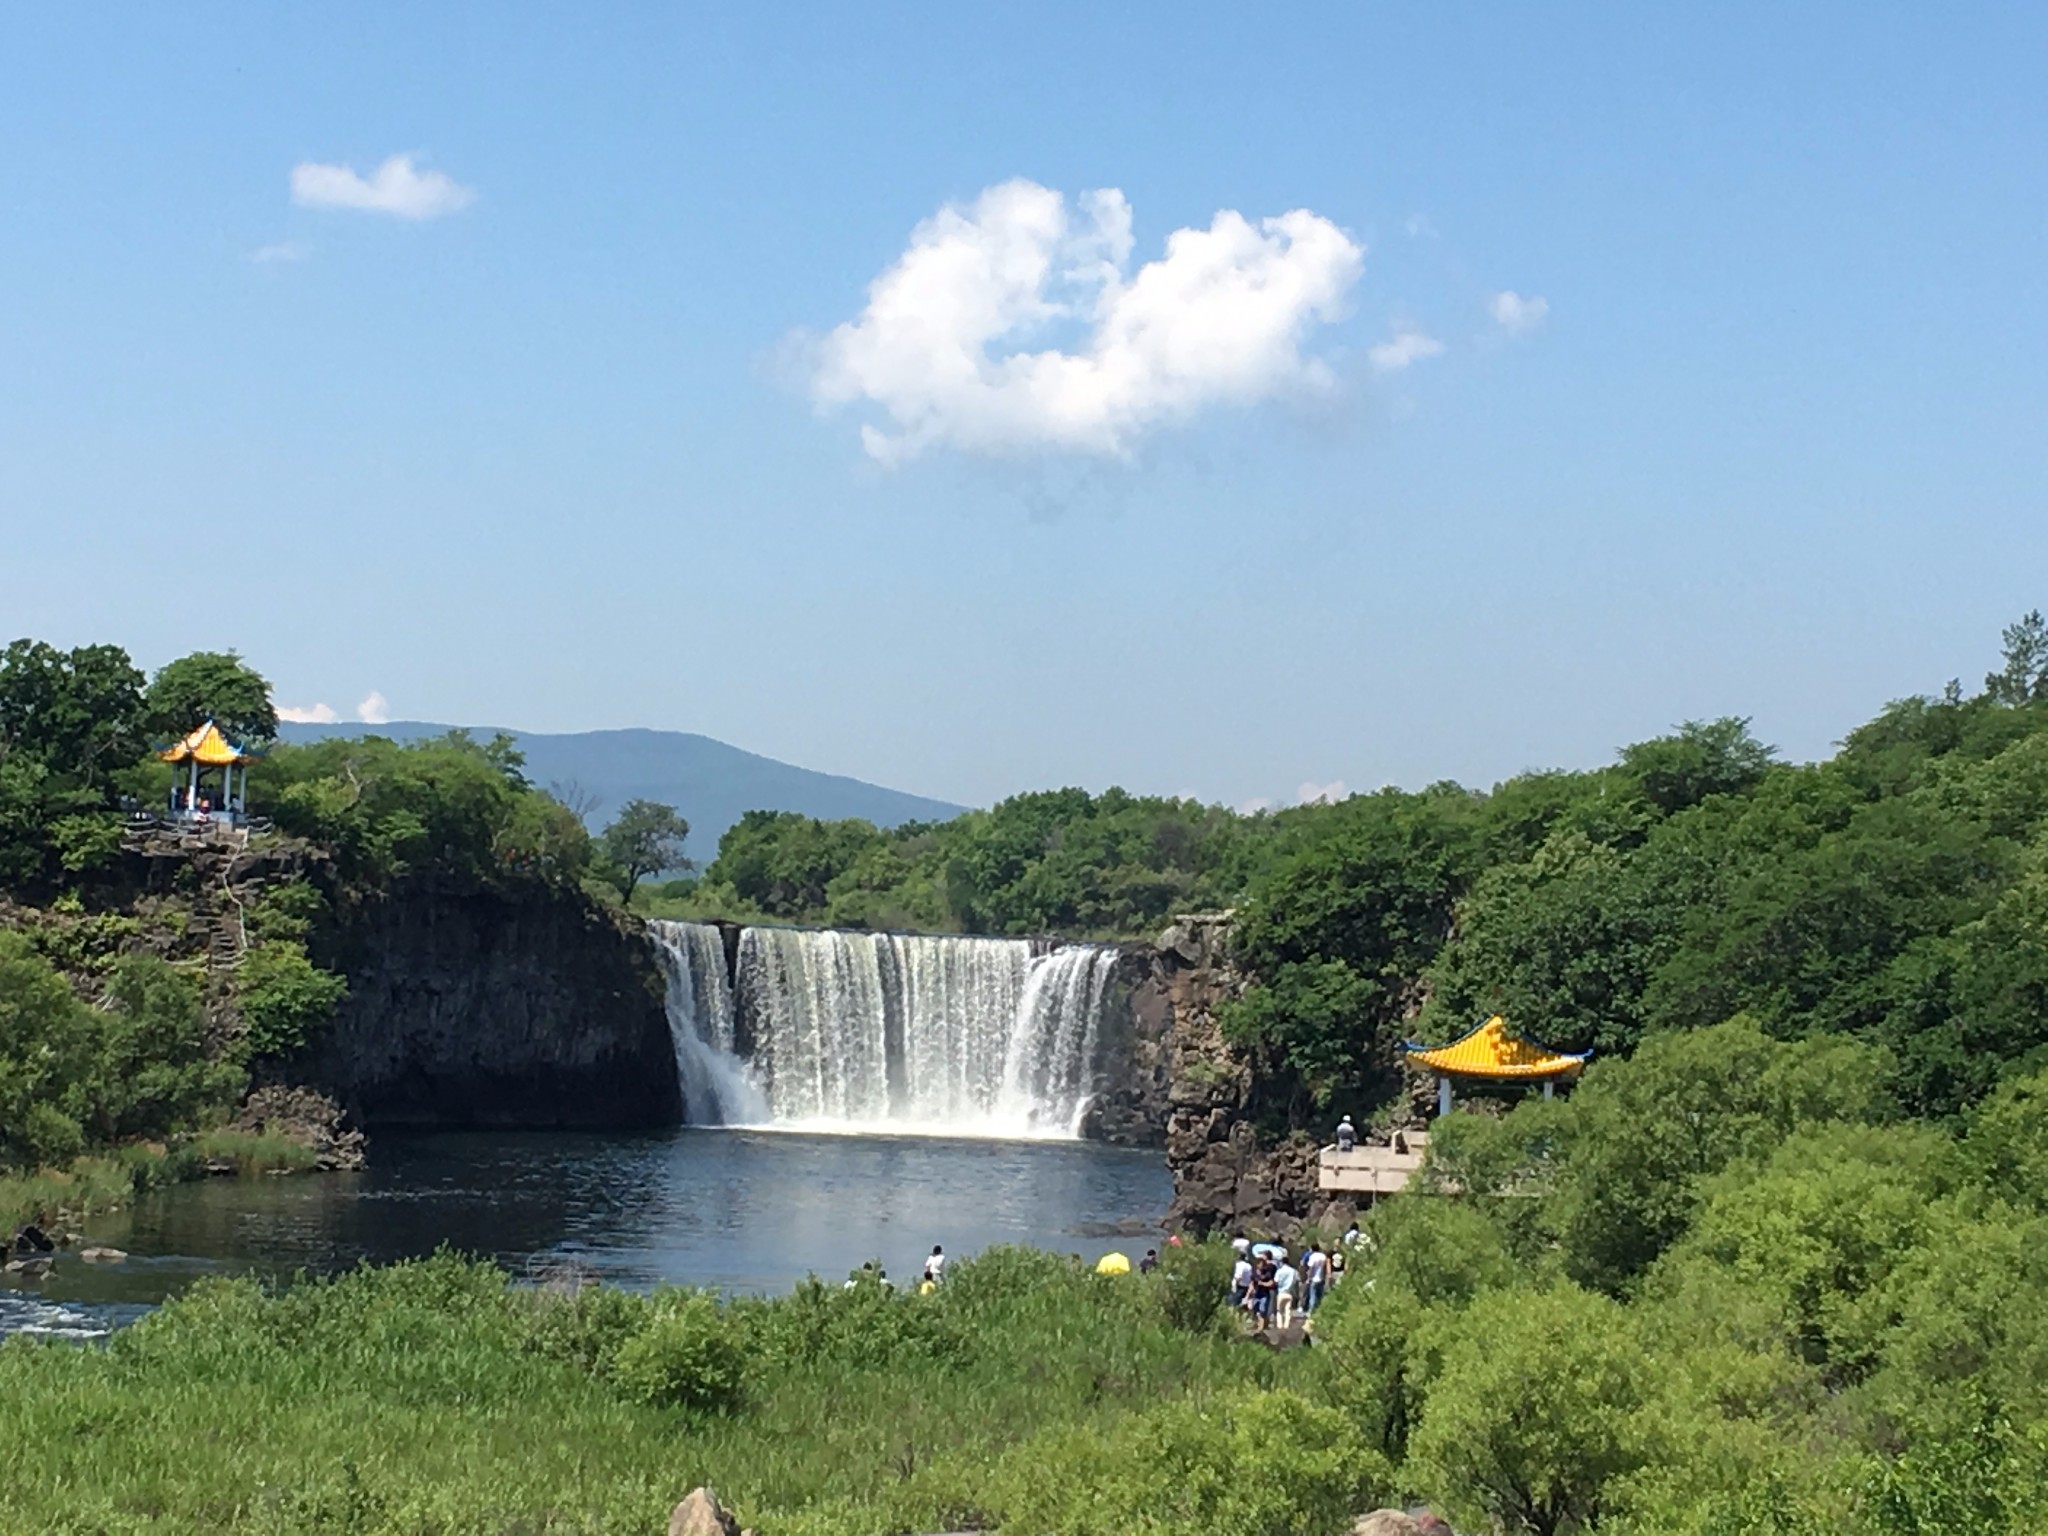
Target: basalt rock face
x,y
532,1008
1225,1177
1134,1059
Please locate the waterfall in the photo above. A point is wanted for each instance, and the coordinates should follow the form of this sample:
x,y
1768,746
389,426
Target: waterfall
x,y
718,1087
1052,1050
830,1030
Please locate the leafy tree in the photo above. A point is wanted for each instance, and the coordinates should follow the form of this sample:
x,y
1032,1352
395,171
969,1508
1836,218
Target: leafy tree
x,y
1637,1139
1531,1421
2024,677
72,1076
47,1065
158,1074
645,838
1338,927
77,712
211,685
283,997
457,805
1814,1230
1704,758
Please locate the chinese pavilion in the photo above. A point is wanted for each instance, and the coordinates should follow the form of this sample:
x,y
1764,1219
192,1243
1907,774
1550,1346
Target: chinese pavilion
x,y
1490,1054
203,751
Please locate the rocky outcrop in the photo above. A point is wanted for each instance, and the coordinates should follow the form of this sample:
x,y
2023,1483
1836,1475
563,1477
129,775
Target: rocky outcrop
x,y
311,1119
1134,1059
1225,1177
532,1007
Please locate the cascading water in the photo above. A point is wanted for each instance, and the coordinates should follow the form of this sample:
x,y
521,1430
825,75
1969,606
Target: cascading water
x,y
717,1086
902,1032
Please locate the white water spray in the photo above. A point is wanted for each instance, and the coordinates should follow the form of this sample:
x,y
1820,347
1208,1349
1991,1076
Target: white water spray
x,y
843,1031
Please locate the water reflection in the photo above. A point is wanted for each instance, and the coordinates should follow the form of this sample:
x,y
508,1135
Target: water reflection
x,y
739,1210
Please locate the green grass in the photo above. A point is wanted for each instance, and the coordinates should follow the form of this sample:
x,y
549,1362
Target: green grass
x,y
106,1181
254,1152
435,1398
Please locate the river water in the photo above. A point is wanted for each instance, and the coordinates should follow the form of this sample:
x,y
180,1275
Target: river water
x,y
737,1210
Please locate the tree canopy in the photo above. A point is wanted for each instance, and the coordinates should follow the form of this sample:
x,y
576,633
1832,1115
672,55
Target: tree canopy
x,y
211,685
645,838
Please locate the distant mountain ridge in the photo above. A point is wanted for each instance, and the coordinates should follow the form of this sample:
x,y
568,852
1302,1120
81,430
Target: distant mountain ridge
x,y
712,783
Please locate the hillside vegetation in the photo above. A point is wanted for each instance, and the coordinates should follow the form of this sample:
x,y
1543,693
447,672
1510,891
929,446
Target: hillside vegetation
x,y
1894,893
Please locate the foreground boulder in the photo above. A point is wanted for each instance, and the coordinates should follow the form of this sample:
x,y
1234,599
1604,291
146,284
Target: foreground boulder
x,y
702,1515
1394,1522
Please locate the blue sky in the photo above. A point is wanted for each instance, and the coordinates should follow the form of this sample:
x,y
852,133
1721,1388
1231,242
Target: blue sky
x,y
1774,443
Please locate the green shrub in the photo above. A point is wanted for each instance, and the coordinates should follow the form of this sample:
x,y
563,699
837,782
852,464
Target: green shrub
x,y
1194,1283
283,997
684,1357
1532,1416
1263,1461
585,1328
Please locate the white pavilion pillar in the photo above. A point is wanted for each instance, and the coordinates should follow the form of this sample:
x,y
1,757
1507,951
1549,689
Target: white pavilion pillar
x,y
1443,1095
1549,1088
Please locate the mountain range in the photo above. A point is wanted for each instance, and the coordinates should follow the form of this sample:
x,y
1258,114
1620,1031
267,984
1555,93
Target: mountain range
x,y
711,783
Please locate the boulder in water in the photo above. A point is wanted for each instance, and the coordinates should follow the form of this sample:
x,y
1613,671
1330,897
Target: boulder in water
x,y
102,1255
702,1515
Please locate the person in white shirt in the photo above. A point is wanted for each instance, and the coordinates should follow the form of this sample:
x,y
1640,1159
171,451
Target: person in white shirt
x,y
935,1266
1318,1278
1240,1281
1286,1281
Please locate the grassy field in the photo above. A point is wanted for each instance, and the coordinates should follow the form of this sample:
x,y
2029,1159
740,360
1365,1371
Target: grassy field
x,y
433,1397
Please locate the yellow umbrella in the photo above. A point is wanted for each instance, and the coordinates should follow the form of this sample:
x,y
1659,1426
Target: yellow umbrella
x,y
1113,1264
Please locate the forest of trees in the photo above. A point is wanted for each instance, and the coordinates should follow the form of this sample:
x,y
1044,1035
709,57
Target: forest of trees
x,y
1894,893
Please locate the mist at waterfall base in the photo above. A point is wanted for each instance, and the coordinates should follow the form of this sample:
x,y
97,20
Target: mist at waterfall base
x,y
821,1030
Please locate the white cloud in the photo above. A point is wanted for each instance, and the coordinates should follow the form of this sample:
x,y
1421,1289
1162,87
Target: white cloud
x,y
1518,315
1407,345
942,346
374,710
310,714
396,187
283,250
1325,794
1253,806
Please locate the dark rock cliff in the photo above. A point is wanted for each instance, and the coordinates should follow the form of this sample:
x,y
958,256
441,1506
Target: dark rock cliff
x,y
1226,1177
536,1008
1134,1059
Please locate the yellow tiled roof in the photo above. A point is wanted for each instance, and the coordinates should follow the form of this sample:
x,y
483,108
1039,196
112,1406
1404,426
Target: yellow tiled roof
x,y
208,745
1489,1051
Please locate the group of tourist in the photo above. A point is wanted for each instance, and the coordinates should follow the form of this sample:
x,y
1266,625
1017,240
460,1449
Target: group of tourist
x,y
933,1276
1270,1287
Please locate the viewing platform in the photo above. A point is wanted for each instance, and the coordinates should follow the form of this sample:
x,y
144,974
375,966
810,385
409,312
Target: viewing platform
x,y
1368,1170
